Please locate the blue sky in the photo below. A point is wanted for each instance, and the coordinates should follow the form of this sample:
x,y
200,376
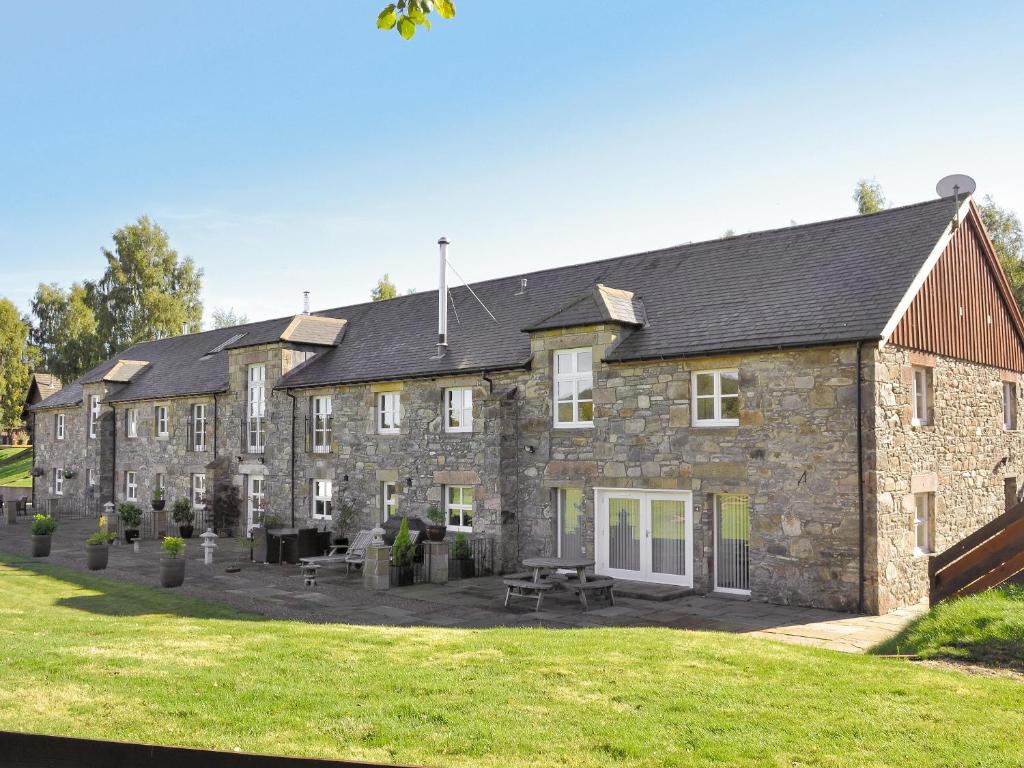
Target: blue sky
x,y
291,146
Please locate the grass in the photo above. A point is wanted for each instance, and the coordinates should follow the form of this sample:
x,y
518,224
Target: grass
x,y
16,466
80,654
987,628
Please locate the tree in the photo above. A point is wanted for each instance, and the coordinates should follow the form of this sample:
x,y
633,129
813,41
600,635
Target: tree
x,y
146,292
384,290
1007,235
225,318
405,15
14,365
65,331
868,196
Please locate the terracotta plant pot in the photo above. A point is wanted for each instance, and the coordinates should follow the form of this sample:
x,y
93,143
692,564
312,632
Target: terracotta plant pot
x,y
41,545
97,556
172,571
436,532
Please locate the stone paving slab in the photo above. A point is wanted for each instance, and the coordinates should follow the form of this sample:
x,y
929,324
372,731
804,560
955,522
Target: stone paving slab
x,y
278,592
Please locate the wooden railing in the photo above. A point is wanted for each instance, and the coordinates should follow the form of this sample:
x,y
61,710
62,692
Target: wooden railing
x,y
990,556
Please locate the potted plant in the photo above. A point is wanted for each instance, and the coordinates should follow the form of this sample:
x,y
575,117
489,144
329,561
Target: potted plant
x,y
131,519
402,553
436,530
43,527
172,565
97,547
227,509
158,501
182,515
344,519
69,474
462,565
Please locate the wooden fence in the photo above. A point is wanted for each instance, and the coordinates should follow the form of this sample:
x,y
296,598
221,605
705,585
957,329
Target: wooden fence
x,y
990,556
29,750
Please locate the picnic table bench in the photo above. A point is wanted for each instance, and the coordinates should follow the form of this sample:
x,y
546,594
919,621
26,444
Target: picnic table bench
x,y
545,575
523,585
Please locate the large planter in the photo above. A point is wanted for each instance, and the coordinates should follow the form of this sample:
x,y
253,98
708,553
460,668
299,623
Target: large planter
x,y
436,532
401,576
159,504
130,535
259,544
462,569
11,511
41,545
185,531
97,556
172,571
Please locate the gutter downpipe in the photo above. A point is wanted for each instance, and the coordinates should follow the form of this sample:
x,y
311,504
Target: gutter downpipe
x,y
34,478
860,477
292,492
113,459
216,414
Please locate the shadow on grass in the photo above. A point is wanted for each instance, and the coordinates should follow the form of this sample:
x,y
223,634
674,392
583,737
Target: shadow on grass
x,y
116,598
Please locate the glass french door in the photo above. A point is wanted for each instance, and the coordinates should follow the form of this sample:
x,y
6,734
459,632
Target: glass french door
x,y
644,535
732,543
257,497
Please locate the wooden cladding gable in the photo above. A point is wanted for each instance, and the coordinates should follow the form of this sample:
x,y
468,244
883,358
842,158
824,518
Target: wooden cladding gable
x,y
964,309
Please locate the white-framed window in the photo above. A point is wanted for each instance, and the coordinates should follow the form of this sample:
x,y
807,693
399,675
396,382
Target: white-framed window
x,y
257,496
58,481
924,505
257,407
199,427
162,427
197,487
90,475
60,426
388,500
458,408
1009,406
94,414
131,486
716,398
570,522
323,504
921,397
132,422
322,424
574,387
159,481
458,507
389,412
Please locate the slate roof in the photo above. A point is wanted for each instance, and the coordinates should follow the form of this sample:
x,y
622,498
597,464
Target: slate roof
x,y
828,282
601,304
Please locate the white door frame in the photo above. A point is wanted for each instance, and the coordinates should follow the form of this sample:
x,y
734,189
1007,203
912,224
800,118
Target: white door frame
x,y
645,496
716,501
250,510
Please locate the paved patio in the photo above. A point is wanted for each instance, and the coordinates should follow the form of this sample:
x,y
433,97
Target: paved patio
x,y
276,591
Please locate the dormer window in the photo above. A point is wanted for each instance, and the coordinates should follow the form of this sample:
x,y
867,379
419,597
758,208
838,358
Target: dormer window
x,y
574,387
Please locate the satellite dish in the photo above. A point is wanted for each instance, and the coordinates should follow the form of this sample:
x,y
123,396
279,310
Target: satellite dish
x,y
955,184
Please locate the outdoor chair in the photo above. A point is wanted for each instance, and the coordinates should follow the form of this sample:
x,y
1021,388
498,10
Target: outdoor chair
x,y
354,555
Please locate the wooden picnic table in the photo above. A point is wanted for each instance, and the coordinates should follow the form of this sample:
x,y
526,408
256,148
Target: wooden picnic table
x,y
578,564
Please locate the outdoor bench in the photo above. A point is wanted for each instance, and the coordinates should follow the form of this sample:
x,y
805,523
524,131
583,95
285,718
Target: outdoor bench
x,y
523,585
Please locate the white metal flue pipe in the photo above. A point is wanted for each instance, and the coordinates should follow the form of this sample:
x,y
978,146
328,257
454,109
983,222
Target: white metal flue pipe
x,y
442,299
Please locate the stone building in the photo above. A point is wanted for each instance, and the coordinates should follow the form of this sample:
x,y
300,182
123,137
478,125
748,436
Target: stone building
x,y
802,415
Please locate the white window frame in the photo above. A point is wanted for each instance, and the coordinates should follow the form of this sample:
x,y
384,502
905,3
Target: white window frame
x,y
60,426
577,380
460,507
388,500
161,421
924,510
458,406
256,403
921,377
716,396
58,481
90,475
560,496
197,489
199,427
131,485
322,411
132,416
94,415
1009,406
321,499
257,496
389,413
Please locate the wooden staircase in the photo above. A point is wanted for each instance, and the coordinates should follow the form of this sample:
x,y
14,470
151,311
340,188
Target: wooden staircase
x,y
992,555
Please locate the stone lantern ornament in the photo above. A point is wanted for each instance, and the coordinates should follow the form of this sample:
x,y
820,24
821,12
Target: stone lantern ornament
x,y
209,544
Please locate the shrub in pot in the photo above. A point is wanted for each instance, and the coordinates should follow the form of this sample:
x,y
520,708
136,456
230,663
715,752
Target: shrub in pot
x,y
43,527
436,530
344,519
172,564
403,551
131,518
158,501
97,547
461,565
182,515
227,509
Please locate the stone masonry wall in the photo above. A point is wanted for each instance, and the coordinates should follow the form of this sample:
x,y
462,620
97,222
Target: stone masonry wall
x,y
963,457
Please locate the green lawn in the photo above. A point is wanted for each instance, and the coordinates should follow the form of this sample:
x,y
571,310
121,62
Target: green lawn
x,y
16,466
87,656
987,628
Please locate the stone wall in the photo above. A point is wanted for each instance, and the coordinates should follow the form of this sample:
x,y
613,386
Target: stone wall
x,y
963,457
